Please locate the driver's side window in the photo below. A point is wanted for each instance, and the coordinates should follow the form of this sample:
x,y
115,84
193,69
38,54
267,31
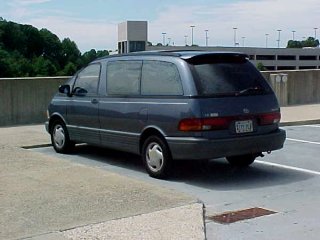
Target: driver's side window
x,y
88,79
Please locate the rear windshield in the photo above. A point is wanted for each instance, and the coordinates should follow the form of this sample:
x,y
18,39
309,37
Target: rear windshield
x,y
229,76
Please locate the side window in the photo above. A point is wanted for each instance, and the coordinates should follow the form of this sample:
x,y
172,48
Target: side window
x,y
123,77
88,79
160,78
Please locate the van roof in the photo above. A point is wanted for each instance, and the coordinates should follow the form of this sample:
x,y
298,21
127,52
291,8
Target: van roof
x,y
184,54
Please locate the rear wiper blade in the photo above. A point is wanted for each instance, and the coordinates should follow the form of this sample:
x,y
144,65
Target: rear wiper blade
x,y
250,90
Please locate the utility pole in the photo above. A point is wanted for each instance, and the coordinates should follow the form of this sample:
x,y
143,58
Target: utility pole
x,y
243,38
235,36
267,34
206,37
192,26
164,38
186,40
279,31
293,35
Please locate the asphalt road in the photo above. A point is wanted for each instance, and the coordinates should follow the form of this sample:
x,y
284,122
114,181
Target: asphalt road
x,y
286,182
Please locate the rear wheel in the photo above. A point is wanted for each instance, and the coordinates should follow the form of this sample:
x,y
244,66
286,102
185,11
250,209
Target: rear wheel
x,y
60,138
156,157
241,160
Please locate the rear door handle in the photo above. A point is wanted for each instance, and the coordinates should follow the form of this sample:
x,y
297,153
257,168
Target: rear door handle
x,y
94,101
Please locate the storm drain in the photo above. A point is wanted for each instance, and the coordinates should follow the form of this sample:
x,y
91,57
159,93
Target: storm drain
x,y
235,216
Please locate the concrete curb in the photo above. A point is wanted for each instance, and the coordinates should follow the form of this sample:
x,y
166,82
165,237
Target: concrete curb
x,y
160,225
185,222
303,122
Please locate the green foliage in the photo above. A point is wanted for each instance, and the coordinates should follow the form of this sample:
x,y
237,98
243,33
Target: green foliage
x,y
310,42
261,67
26,51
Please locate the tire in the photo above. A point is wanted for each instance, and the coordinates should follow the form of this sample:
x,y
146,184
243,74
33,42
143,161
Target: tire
x,y
242,160
157,157
60,138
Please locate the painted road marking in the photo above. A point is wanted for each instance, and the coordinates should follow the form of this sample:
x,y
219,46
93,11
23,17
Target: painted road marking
x,y
302,141
314,126
288,167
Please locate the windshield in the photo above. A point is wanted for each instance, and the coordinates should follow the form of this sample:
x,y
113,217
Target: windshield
x,y
229,78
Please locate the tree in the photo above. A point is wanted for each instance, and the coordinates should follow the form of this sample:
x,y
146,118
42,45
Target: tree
x,y
69,70
70,51
43,67
27,51
52,48
261,67
91,55
310,42
294,44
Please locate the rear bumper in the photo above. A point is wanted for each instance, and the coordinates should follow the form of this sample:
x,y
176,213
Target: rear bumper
x,y
197,148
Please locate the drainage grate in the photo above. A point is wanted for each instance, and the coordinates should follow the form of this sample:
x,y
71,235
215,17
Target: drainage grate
x,y
235,216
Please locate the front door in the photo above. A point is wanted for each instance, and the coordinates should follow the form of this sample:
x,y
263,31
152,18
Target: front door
x,y
83,111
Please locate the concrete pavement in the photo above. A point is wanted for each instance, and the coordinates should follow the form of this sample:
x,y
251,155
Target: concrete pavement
x,y
42,197
47,198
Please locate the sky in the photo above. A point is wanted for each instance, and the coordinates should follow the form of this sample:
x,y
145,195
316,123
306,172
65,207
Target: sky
x,y
93,24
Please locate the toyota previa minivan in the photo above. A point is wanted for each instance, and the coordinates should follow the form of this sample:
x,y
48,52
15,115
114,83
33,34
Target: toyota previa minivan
x,y
168,106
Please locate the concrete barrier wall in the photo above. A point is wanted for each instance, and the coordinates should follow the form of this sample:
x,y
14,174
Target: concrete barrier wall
x,y
25,100
295,87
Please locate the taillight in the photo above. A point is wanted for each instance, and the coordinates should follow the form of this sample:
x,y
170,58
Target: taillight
x,y
269,118
204,124
190,124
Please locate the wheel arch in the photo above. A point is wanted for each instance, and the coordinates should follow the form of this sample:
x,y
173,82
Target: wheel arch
x,y
55,117
150,131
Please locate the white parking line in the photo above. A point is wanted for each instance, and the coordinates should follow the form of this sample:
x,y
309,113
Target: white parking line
x,y
302,141
314,126
288,167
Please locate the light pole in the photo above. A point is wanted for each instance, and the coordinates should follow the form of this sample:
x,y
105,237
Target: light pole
x,y
293,32
206,37
164,38
267,34
186,40
235,36
243,38
279,31
192,26
315,33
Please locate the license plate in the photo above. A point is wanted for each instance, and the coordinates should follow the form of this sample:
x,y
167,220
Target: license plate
x,y
244,126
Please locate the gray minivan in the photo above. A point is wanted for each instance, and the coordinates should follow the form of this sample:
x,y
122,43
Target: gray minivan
x,y
169,105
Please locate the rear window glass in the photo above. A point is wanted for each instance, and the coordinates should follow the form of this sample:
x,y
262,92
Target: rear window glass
x,y
160,78
228,77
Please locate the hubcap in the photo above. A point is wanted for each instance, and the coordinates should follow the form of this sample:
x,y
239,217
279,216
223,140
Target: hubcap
x,y
58,136
154,157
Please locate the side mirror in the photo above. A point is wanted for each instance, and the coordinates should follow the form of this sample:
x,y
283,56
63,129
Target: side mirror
x,y
65,89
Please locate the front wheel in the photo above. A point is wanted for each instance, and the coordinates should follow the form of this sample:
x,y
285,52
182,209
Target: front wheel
x,y
60,138
156,157
242,160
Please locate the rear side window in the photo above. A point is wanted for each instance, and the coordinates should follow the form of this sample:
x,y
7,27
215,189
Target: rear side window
x,y
88,79
123,77
229,77
160,78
